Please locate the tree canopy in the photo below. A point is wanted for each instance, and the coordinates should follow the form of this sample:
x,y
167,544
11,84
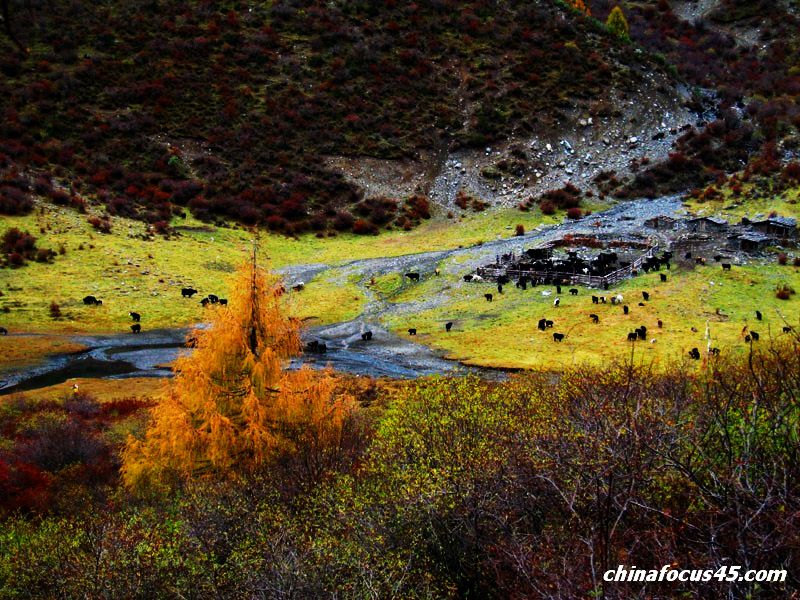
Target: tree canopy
x,y
232,405
617,23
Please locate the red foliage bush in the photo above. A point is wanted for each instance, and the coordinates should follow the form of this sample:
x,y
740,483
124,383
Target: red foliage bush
x,y
574,213
14,201
417,207
364,227
101,224
547,207
564,198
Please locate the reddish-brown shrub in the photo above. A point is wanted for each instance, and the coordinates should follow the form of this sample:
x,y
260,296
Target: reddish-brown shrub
x,y
14,201
364,227
101,224
784,291
418,207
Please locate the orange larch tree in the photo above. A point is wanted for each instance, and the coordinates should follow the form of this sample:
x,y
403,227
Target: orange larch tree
x,y
232,403
581,6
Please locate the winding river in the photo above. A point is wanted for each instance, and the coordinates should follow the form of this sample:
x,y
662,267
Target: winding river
x,y
386,355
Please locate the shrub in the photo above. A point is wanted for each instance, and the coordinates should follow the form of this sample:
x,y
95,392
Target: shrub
x,y
14,201
566,197
364,227
479,205
343,221
19,246
53,443
55,310
796,261
519,230
418,207
547,207
44,255
574,213
784,291
101,224
783,259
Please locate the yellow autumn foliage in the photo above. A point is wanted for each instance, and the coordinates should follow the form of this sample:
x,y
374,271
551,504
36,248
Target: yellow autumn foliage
x,y
232,403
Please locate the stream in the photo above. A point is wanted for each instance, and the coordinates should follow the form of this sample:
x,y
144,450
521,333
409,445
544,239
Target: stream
x,y
150,353
386,355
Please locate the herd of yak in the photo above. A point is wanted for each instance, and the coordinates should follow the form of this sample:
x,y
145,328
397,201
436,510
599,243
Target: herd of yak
x,y
553,271
136,327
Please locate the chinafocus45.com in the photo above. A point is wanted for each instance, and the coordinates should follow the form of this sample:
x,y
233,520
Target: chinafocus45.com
x,y
729,573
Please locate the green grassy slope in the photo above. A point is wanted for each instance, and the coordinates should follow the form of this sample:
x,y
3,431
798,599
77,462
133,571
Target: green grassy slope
x,y
504,332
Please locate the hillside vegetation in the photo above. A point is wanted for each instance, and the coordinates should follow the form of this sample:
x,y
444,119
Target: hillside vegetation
x,y
227,109
460,488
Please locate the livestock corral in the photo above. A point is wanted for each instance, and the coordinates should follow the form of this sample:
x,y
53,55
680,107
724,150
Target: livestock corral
x,y
600,261
588,261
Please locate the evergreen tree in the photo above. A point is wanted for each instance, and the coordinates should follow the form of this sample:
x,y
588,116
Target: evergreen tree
x,y
617,24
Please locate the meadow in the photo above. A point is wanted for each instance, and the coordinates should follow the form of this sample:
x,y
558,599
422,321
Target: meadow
x,y
129,273
504,332
132,270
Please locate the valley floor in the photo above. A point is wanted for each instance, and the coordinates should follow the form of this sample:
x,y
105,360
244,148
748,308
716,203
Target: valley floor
x,y
356,283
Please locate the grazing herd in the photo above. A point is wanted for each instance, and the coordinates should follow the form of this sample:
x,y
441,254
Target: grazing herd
x,y
186,292
602,264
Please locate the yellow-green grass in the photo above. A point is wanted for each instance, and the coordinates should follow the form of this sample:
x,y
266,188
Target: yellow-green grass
x,y
329,299
439,233
131,274
103,390
504,333
786,204
126,272
389,285
23,351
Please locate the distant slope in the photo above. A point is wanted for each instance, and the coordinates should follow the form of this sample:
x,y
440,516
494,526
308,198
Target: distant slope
x,y
743,53
229,108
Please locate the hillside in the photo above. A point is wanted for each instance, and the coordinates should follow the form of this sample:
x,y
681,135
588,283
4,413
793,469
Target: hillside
x,y
233,110
740,59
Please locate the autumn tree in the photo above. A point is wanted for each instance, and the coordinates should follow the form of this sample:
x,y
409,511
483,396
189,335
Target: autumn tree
x,y
617,23
232,405
580,5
